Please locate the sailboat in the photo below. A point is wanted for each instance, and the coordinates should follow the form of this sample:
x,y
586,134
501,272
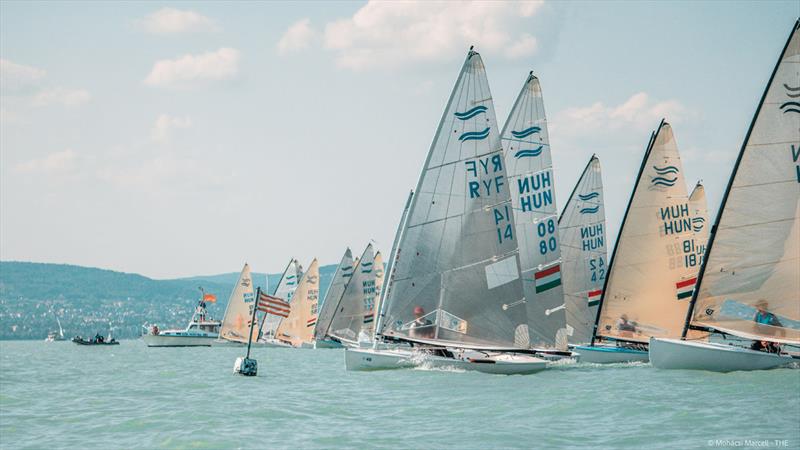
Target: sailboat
x,y
582,228
749,285
284,290
354,311
531,182
698,208
648,285
235,325
55,335
342,276
297,329
454,289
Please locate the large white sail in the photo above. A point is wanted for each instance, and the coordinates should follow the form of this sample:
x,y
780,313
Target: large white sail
x,y
752,268
342,276
284,290
455,279
239,312
531,181
379,273
354,312
648,286
698,208
298,328
582,228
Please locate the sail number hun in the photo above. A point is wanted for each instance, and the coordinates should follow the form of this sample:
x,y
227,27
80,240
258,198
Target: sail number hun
x,y
547,240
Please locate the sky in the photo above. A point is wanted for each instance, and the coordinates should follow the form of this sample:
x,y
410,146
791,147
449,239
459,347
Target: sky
x,y
180,139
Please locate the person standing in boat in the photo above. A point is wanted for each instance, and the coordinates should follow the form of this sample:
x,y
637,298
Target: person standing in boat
x,y
421,327
764,317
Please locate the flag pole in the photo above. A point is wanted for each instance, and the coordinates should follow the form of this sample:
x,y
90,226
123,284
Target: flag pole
x,y
253,321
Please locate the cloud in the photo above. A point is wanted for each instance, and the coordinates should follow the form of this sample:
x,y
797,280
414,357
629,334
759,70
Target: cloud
x,y
298,37
620,127
17,78
61,96
386,34
165,124
173,21
54,163
161,175
187,70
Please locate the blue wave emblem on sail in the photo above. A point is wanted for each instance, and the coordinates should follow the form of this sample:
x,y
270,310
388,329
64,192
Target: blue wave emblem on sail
x,y
663,181
665,170
589,196
794,92
526,132
474,135
790,107
698,223
528,153
471,113
591,210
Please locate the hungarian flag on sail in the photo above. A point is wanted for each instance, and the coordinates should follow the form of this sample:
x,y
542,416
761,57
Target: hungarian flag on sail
x,y
368,318
594,297
685,288
547,279
311,322
273,305
210,298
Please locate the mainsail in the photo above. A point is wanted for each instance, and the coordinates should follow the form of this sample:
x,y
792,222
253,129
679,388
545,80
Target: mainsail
x,y
456,263
298,328
582,228
698,208
239,312
752,264
530,176
648,286
379,272
344,271
355,309
284,290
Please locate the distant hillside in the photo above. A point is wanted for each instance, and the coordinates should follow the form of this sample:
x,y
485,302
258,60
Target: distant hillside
x,y
87,299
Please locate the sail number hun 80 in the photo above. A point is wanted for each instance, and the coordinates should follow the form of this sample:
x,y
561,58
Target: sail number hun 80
x,y
546,232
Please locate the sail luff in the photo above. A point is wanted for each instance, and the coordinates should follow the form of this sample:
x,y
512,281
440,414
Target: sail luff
x,y
748,275
390,266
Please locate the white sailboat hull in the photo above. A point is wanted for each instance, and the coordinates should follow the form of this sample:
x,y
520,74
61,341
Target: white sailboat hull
x,y
362,359
678,354
608,354
178,341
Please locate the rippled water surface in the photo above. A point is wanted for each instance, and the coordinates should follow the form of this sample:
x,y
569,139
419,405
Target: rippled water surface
x,y
130,396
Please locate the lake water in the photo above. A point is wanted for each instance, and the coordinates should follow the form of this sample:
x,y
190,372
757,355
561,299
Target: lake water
x,y
60,395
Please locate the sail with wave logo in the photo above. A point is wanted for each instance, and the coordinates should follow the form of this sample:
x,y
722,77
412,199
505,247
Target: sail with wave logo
x,y
531,181
642,293
342,276
355,310
698,208
284,290
298,328
750,282
239,311
582,229
454,277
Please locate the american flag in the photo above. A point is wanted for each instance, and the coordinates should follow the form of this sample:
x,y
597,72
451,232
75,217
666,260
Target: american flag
x,y
273,305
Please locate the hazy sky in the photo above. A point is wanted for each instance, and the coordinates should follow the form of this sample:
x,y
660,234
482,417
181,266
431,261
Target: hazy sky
x,y
176,139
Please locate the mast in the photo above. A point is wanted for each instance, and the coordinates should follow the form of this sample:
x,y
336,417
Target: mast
x,y
696,293
622,227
